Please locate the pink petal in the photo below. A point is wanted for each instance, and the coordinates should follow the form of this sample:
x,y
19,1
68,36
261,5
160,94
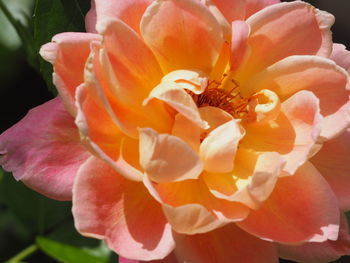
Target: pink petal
x,y
341,56
333,163
232,10
171,258
68,53
195,43
129,11
322,76
253,6
320,252
218,149
283,28
239,47
110,207
190,208
293,134
91,18
302,207
44,151
225,245
167,158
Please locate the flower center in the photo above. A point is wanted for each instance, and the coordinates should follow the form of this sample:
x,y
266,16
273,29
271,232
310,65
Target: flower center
x,y
216,94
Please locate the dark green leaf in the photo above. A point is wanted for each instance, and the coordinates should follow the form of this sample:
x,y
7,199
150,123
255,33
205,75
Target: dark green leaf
x,y
35,211
67,253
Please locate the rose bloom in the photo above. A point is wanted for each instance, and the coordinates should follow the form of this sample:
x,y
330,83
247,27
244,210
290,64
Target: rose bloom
x,y
196,131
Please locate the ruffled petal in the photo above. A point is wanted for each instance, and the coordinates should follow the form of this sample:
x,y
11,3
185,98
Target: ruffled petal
x,y
283,28
293,134
44,151
333,163
323,77
193,43
68,53
166,158
327,251
302,207
130,11
121,212
225,245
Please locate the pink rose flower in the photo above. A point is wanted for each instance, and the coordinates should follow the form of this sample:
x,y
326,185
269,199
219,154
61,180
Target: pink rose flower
x,y
196,131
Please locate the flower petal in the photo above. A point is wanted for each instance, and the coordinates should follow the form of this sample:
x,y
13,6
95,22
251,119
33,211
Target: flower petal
x,y
68,53
253,6
91,18
341,56
302,207
190,208
293,134
333,163
300,21
129,11
322,76
218,149
225,245
44,151
239,47
195,43
121,212
252,180
320,252
167,158
103,138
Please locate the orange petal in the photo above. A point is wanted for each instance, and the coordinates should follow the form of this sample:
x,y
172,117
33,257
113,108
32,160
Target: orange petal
x,y
225,245
218,149
130,12
301,208
121,212
300,21
323,77
251,182
195,43
167,158
191,209
293,134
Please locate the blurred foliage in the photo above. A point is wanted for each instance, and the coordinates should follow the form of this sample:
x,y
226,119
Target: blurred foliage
x,y
33,228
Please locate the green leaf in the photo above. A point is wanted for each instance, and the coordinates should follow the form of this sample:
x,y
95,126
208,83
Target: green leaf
x,y
347,214
52,17
67,253
36,212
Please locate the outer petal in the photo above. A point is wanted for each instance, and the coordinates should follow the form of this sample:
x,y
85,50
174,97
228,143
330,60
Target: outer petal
x,y
341,56
44,151
167,158
171,258
129,11
320,252
121,212
301,208
322,76
333,163
193,43
218,149
293,134
91,18
68,53
225,245
253,6
300,21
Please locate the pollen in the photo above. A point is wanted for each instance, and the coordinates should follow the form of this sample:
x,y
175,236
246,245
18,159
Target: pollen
x,y
218,95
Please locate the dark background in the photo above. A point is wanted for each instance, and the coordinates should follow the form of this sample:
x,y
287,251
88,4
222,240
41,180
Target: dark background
x,y
22,88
